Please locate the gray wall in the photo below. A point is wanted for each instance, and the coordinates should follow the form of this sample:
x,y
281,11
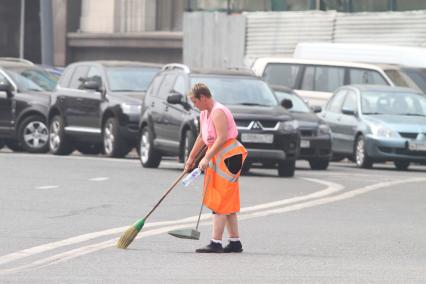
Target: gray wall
x,y
213,40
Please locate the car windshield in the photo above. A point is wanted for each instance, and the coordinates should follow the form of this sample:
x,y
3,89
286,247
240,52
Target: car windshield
x,y
130,79
393,103
233,90
298,104
402,79
40,77
23,83
418,75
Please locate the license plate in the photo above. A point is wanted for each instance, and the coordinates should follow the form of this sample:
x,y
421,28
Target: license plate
x,y
257,138
416,146
305,144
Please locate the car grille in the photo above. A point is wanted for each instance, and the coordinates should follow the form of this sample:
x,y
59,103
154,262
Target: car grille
x,y
409,135
265,124
308,132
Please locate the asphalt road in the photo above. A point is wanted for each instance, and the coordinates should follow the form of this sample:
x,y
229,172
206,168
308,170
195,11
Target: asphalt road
x,y
61,216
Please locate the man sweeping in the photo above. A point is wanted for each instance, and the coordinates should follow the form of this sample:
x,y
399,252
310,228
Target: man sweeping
x,y
221,164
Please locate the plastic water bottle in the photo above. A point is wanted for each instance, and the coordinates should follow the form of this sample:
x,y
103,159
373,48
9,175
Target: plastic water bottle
x,y
191,177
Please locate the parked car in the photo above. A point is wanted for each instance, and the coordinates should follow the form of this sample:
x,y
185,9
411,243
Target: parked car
x,y
169,123
316,80
373,124
23,113
315,136
29,70
96,107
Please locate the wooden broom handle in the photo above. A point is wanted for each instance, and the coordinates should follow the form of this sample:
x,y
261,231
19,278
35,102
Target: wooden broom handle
x,y
199,156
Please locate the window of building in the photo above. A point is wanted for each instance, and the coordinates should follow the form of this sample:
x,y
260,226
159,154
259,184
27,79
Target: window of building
x,y
404,5
369,5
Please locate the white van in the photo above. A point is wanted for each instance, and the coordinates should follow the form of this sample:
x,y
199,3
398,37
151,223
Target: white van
x,y
316,80
372,53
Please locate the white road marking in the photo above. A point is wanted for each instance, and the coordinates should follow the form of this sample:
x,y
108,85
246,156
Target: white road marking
x,y
332,187
46,187
244,216
99,179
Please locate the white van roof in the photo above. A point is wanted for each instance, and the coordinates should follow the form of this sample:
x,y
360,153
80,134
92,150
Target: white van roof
x,y
261,62
373,53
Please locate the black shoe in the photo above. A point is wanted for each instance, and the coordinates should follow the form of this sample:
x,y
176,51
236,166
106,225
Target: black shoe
x,y
211,248
233,247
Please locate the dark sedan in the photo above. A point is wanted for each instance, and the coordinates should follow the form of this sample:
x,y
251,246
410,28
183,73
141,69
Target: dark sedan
x,y
315,136
373,124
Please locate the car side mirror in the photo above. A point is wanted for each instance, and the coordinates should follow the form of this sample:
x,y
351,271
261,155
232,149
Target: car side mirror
x,y
178,99
6,87
287,104
316,109
175,99
92,85
348,111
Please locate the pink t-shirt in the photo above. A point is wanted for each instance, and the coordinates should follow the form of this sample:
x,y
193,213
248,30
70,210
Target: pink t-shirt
x,y
208,131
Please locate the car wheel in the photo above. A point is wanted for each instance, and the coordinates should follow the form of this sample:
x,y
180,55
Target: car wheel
x,y
188,143
34,135
58,142
401,165
361,158
114,144
319,164
89,149
149,157
286,168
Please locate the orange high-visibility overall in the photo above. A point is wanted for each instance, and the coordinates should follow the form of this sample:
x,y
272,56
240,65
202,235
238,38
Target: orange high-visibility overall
x,y
221,186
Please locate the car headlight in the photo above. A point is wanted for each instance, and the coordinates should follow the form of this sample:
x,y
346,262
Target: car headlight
x,y
130,108
289,126
381,130
323,129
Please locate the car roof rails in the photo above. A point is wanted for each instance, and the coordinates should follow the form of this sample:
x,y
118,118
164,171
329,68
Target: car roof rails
x,y
176,66
242,69
15,59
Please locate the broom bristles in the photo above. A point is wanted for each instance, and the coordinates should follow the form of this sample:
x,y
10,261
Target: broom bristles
x,y
127,238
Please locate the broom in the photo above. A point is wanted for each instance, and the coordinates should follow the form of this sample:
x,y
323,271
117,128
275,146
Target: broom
x,y
130,234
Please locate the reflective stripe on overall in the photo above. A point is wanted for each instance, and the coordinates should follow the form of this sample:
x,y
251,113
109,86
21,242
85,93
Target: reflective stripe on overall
x,y
221,186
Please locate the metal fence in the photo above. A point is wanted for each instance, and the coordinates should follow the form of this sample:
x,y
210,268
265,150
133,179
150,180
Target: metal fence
x,y
213,40
218,40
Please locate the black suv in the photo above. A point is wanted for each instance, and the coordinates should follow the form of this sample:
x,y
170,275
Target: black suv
x,y
96,105
169,123
23,113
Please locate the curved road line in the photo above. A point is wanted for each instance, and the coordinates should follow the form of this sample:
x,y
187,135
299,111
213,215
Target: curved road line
x,y
110,243
332,188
